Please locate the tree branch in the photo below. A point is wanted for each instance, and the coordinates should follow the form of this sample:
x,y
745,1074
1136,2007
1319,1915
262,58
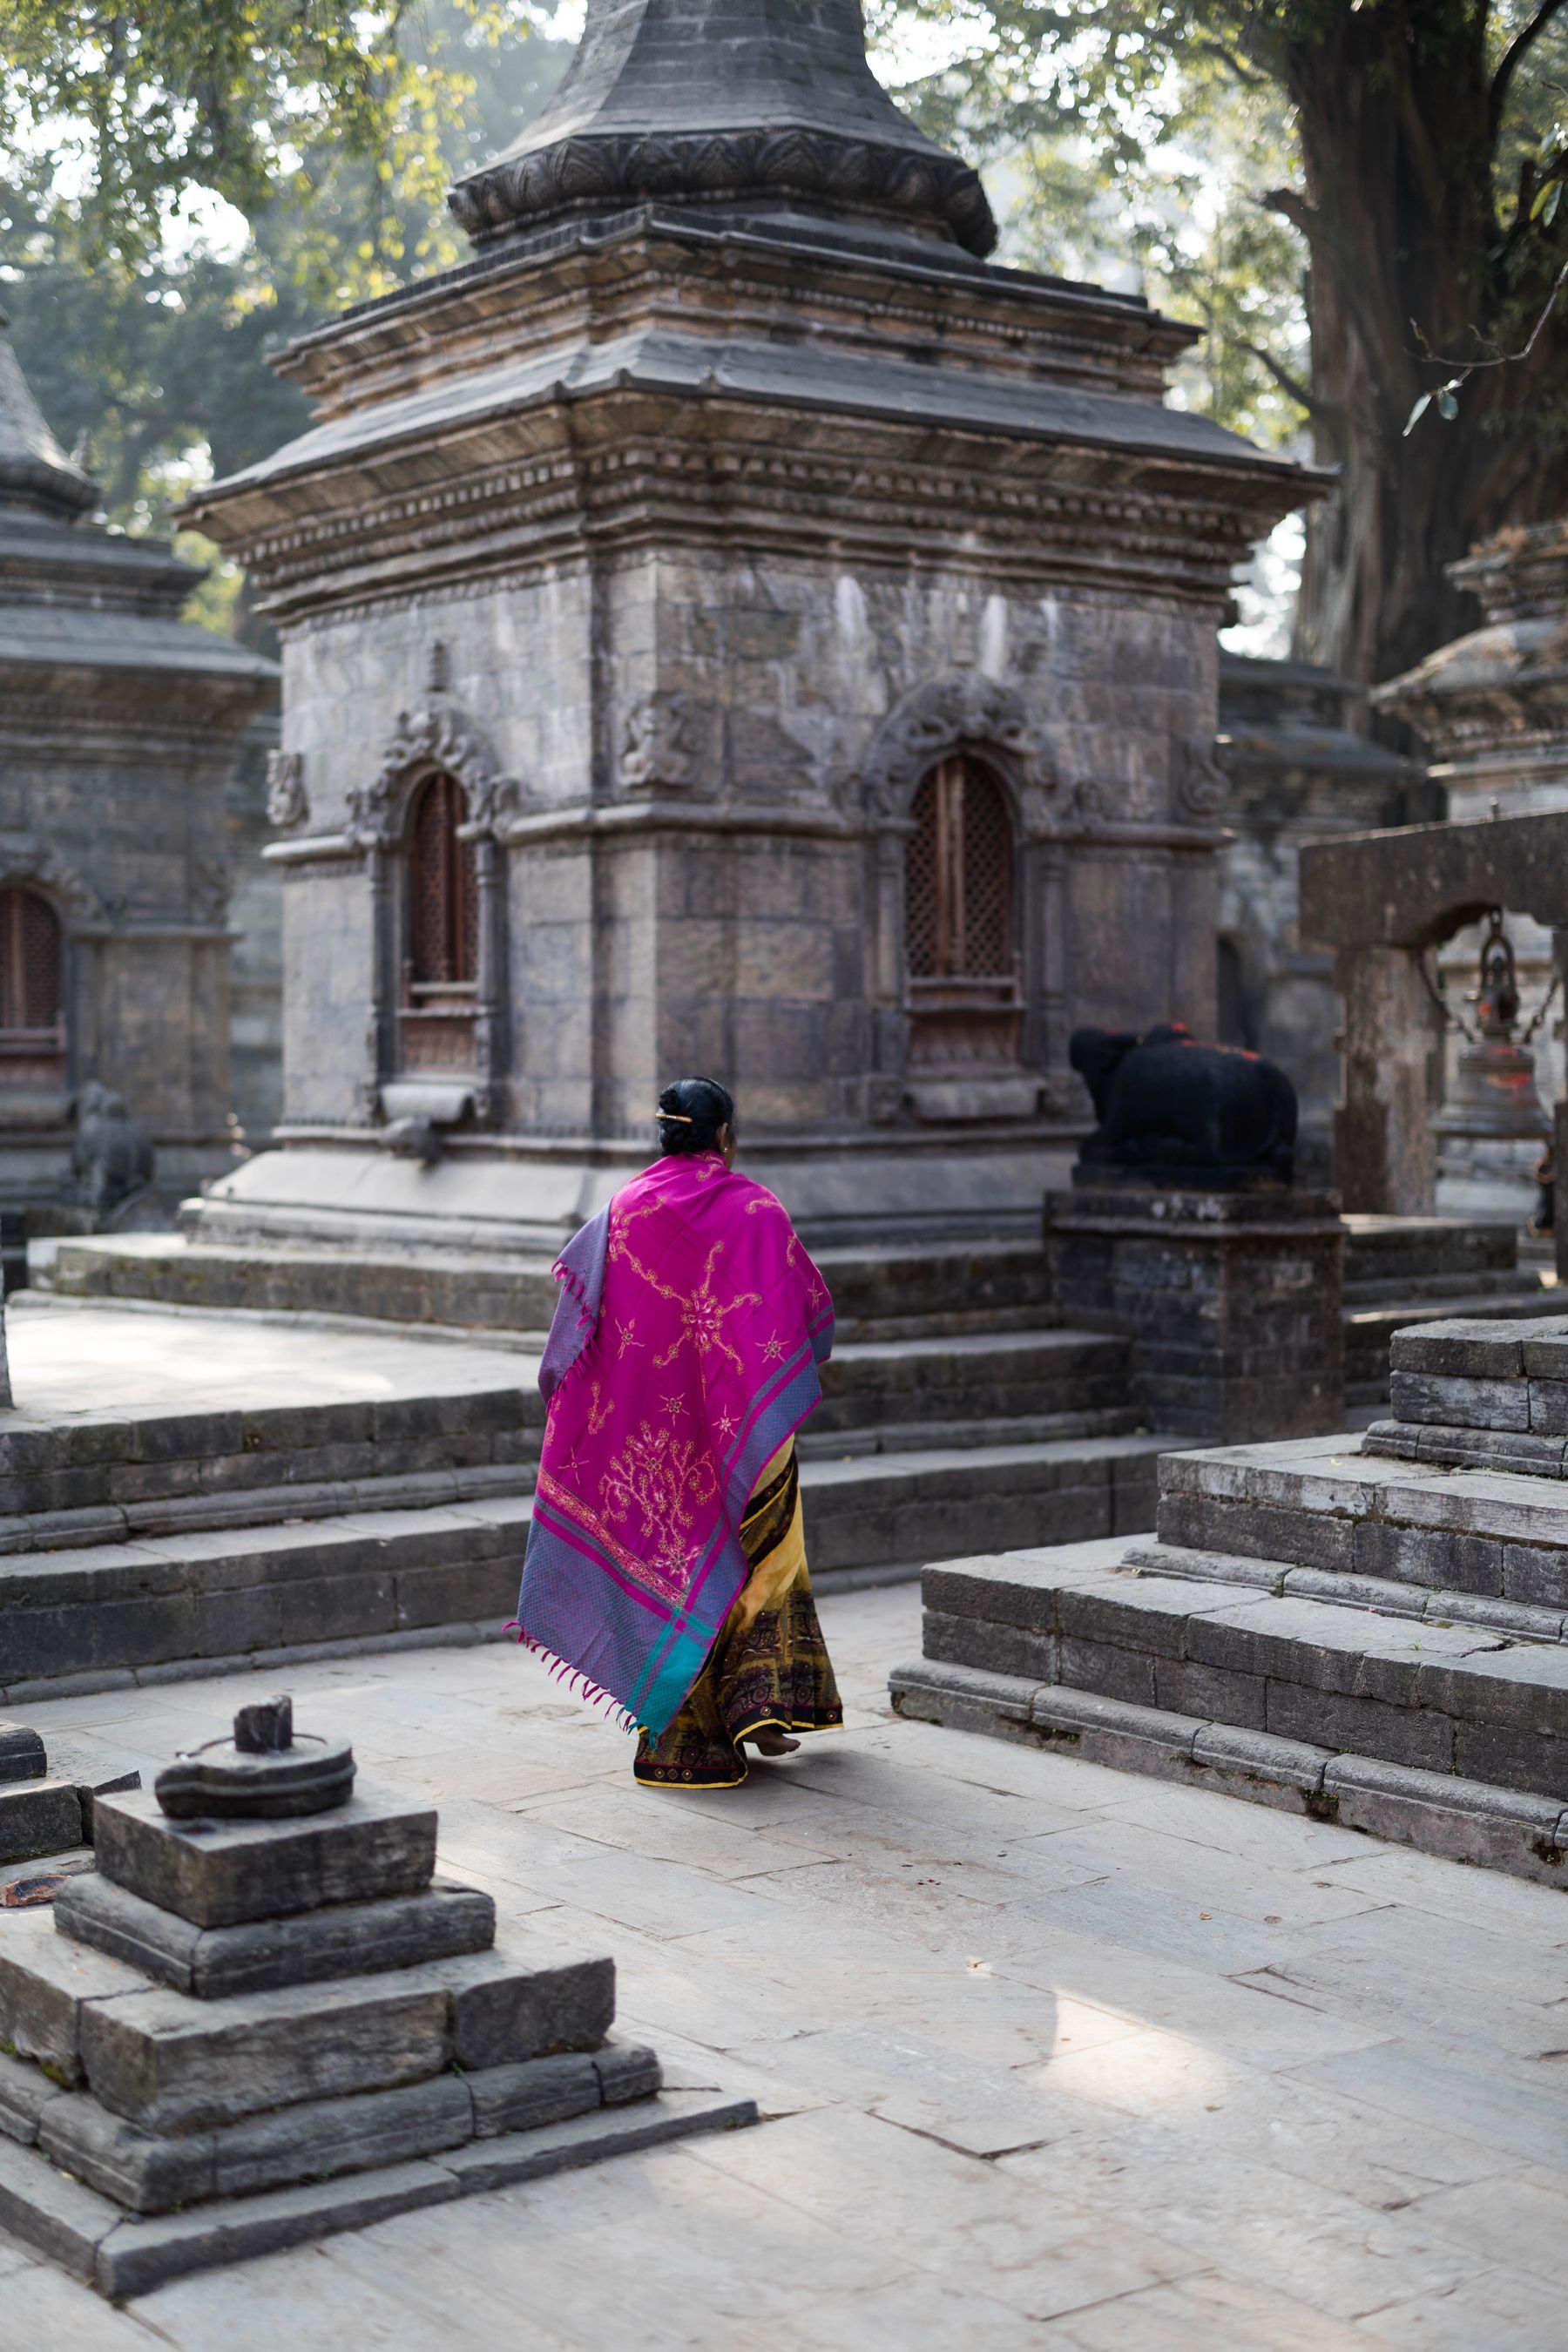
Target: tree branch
x,y
1327,412
1514,57
1293,207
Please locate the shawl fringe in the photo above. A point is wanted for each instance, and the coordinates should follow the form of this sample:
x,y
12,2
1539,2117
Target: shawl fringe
x,y
577,1683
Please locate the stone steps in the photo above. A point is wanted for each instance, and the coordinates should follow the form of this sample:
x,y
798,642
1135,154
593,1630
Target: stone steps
x,y
1405,1270
1382,1595
893,1508
1022,1376
1320,1504
1442,1813
114,1612
105,1612
1441,1699
901,1292
116,1473
1370,1331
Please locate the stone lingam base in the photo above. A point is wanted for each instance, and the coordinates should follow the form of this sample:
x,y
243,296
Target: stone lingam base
x,y
259,2024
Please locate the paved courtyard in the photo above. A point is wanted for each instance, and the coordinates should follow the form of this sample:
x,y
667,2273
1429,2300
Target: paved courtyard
x,y
1050,2057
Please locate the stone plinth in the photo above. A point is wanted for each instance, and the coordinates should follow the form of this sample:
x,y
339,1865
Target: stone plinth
x,y
1231,1301
250,2032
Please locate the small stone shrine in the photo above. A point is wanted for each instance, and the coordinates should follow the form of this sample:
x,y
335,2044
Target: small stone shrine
x,y
1298,766
1183,1231
46,1814
1369,1630
120,725
730,622
1491,709
264,2019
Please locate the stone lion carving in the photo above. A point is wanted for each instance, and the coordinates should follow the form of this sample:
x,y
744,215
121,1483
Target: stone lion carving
x,y
288,803
111,1157
1199,784
663,746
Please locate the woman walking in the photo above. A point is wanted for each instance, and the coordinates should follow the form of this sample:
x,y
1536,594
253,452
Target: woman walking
x,y
666,1561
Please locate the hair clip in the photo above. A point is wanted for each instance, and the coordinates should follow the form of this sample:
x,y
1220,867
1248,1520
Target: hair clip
x,y
676,1118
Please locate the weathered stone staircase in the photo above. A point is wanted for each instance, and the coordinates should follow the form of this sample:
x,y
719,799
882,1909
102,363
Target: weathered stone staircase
x,y
141,1543
1401,1271
1373,1631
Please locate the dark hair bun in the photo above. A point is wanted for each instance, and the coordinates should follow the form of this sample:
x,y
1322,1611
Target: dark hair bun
x,y
691,1112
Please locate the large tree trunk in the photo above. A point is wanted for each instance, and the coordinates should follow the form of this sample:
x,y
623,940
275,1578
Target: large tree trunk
x,y
1399,215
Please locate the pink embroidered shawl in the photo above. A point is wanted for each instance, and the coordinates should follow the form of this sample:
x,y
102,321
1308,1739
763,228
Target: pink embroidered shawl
x,y
683,1353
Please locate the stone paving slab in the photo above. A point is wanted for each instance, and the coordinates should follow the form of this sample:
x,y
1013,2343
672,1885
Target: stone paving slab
x,y
1274,2158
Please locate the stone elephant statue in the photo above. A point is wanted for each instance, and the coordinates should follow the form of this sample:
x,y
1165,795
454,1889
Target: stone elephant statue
x,y
1185,1112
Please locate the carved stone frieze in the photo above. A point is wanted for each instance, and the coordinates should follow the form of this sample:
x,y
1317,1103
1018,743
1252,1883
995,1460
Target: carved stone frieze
x,y
288,802
1030,528
961,711
663,745
440,737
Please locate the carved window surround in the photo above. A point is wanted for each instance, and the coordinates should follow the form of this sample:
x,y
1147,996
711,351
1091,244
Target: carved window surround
x,y
440,738
965,714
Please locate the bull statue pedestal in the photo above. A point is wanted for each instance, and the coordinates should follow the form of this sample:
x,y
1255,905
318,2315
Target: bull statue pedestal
x,y
1184,1231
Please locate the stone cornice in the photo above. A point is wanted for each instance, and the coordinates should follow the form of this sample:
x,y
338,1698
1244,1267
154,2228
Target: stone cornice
x,y
1060,334
1177,528
625,819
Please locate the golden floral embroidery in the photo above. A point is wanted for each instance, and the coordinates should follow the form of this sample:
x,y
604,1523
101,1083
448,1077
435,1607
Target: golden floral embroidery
x,y
703,1315
598,1414
662,1479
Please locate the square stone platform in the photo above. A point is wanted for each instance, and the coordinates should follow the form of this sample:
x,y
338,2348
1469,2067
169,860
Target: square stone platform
x,y
242,2034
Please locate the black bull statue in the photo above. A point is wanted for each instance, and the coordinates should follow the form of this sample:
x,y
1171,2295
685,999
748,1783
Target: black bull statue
x,y
1184,1113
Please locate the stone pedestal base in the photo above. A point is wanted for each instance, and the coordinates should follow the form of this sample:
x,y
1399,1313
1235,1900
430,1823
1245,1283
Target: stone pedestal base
x,y
1232,1302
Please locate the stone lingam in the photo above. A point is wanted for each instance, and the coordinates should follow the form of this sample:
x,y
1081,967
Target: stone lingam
x,y
263,2019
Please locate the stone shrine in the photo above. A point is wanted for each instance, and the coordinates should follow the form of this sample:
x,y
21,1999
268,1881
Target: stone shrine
x,y
119,728
264,2019
729,624
1492,710
1298,769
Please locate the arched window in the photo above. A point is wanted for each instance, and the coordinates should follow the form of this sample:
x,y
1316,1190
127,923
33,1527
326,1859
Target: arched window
x,y
32,991
961,942
441,965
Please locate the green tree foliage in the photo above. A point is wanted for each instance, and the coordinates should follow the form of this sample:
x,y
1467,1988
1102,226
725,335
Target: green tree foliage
x,y
144,327
1359,198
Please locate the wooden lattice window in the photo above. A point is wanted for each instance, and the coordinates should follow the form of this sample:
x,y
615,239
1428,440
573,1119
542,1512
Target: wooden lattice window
x,y
961,947
441,966
32,991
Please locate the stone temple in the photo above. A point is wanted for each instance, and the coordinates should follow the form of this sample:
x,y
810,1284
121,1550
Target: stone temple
x,y
729,624
120,729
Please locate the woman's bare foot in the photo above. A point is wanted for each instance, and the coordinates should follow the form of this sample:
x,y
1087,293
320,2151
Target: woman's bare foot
x,y
773,1743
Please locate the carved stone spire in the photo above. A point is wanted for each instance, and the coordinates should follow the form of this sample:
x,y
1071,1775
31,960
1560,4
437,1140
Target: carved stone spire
x,y
35,474
755,104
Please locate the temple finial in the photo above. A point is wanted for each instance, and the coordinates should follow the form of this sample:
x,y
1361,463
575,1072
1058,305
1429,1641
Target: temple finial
x,y
751,105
